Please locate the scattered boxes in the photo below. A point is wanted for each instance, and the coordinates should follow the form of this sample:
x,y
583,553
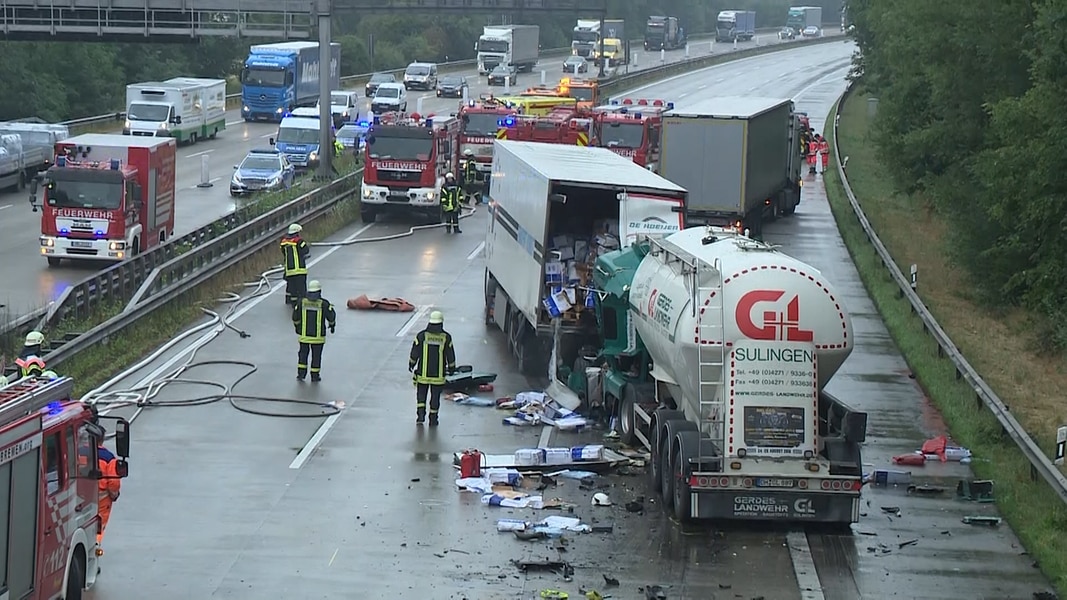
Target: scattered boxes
x,y
568,273
529,457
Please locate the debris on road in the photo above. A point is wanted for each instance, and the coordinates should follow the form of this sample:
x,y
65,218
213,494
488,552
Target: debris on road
x,y
536,408
987,521
939,448
610,581
925,490
600,499
536,459
363,302
887,477
975,490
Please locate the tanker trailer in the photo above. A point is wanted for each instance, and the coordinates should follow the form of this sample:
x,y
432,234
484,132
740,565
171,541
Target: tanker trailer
x,y
717,350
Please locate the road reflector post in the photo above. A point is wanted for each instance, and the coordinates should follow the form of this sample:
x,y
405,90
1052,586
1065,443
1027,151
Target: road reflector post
x,y
205,172
542,76
687,50
662,56
1061,445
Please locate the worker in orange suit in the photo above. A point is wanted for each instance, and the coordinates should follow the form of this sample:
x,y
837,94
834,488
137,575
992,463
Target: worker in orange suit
x,y
824,152
110,485
813,153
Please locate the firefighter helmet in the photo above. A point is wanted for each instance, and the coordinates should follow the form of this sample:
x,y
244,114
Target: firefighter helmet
x,y
34,338
295,228
50,375
449,176
314,286
468,152
437,317
3,380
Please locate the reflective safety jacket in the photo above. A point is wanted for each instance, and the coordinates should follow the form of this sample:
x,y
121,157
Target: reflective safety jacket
x,y
470,172
824,146
432,355
311,317
30,366
338,148
295,252
110,485
450,198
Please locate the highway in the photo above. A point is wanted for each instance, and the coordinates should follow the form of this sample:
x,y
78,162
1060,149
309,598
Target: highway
x,y
30,283
224,504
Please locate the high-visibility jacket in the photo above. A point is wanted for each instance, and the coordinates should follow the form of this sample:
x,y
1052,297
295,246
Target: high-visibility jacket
x,y
296,252
311,317
450,198
432,356
109,485
31,365
813,147
824,146
470,171
338,148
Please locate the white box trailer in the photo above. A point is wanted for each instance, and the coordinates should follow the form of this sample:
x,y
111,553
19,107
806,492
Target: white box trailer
x,y
185,108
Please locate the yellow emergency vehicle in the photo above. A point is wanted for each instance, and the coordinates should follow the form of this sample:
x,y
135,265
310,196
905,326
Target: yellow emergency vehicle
x,y
537,106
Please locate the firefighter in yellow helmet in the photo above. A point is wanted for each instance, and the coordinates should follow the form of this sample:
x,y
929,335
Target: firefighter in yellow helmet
x,y
31,359
451,196
432,358
295,252
311,316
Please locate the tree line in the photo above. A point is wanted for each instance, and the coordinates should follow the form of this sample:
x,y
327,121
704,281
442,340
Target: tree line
x,y
971,98
57,81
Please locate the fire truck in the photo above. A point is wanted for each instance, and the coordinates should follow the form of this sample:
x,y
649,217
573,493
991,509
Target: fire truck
x,y
406,158
561,126
479,122
585,91
107,197
632,129
50,476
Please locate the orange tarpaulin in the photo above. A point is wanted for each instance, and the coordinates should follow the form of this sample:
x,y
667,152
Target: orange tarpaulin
x,y
390,304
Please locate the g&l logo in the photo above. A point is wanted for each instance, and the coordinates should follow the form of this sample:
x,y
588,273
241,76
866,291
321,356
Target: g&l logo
x,y
652,303
777,325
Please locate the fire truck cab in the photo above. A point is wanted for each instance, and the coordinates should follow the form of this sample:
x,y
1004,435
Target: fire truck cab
x,y
479,122
586,92
561,126
49,486
406,158
633,129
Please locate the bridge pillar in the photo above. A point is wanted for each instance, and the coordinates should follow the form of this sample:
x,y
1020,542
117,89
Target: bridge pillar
x,y
325,112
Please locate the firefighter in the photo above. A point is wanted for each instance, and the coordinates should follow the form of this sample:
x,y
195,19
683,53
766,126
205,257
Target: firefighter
x,y
813,152
338,148
824,153
471,186
450,203
110,485
432,358
311,316
295,252
30,362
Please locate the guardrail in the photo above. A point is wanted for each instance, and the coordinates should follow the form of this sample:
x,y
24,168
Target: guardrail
x,y
355,81
1040,465
180,261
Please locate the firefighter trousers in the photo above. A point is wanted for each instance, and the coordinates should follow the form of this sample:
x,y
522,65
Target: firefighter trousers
x,y
104,509
315,351
295,288
451,218
422,390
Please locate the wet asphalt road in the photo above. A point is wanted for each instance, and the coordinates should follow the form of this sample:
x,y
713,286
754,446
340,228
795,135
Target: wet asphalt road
x,y
37,284
222,504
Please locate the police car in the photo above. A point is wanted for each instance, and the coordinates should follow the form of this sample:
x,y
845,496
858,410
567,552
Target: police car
x,y
262,171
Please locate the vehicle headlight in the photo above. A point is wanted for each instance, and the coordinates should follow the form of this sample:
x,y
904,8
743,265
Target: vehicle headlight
x,y
236,179
127,125
430,195
344,114
116,246
279,111
313,156
367,193
48,242
275,180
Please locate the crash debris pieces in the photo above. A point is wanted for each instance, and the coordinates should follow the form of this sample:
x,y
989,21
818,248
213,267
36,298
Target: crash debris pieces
x,y
936,449
537,408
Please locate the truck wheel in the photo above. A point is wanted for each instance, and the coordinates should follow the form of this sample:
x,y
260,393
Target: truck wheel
x,y
192,139
659,417
368,215
75,579
215,134
490,298
668,431
686,446
54,262
627,423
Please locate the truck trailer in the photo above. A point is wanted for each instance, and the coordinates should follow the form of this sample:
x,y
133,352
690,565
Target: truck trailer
x,y
802,17
715,350
739,157
277,78
735,25
517,45
184,108
663,33
554,208
26,149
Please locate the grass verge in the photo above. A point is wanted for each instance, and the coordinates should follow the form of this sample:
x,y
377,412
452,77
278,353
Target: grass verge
x,y
1033,510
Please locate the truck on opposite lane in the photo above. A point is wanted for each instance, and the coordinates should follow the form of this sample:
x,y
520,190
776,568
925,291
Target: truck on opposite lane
x,y
517,45
187,109
278,78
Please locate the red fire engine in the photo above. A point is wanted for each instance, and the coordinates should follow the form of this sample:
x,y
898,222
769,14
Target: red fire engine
x,y
562,125
633,129
107,197
479,121
49,479
406,158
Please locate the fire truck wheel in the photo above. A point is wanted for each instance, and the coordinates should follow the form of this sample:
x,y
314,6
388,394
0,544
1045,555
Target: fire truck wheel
x,y
367,215
75,579
53,261
668,431
686,446
659,417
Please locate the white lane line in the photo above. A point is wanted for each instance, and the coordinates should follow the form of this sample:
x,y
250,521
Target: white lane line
x,y
720,80
683,94
477,250
6,206
804,566
412,320
201,153
271,134
702,86
310,447
237,314
213,180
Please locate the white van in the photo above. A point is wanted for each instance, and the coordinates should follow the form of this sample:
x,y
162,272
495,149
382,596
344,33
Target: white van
x,y
421,76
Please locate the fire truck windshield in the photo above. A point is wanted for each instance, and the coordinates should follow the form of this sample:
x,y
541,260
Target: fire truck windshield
x,y
481,124
263,77
148,112
401,148
623,135
85,189
581,94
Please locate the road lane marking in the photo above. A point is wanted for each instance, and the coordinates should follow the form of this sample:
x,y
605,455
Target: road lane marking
x,y
201,153
412,320
267,135
702,87
477,250
804,566
683,94
720,80
6,206
180,355
312,444
334,557
232,123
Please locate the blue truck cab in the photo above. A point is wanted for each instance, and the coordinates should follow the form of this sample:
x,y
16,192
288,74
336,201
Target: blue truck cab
x,y
277,78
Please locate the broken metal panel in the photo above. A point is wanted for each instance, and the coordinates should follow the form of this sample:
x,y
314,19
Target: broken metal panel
x,y
591,7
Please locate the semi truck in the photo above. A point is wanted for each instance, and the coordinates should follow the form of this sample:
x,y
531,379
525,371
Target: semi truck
x,y
802,17
716,350
738,156
553,209
107,197
26,149
184,108
735,25
50,482
277,78
585,38
517,45
663,33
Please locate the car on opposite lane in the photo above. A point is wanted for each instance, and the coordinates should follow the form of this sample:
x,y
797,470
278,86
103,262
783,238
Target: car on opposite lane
x,y
262,170
389,97
376,80
452,86
575,64
503,74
